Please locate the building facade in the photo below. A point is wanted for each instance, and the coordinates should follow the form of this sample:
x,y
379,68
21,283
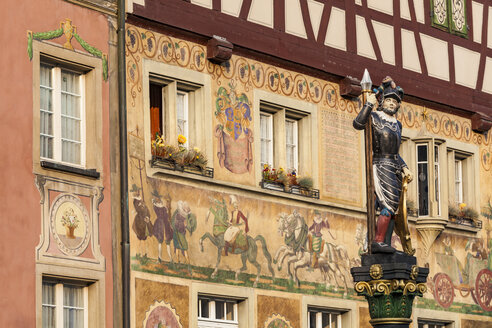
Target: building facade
x,y
57,236
246,179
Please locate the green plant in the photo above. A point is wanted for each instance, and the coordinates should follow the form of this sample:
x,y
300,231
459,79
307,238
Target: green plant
x,y
471,213
305,182
453,211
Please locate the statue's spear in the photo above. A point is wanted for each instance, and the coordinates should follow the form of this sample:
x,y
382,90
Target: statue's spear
x,y
366,85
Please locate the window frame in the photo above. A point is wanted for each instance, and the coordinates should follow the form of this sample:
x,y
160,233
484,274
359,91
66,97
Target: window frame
x,y
294,145
268,138
213,321
347,309
91,67
306,114
59,306
448,25
448,150
57,115
433,323
319,313
200,123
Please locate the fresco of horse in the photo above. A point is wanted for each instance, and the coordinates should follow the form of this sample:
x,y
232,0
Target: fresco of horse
x,y
248,253
333,260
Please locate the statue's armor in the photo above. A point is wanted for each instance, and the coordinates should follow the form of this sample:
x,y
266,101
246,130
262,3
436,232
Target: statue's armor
x,y
387,163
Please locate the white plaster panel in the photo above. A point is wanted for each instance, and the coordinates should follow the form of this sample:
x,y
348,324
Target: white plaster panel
x,y
315,12
405,10
261,12
410,55
358,2
203,3
386,41
487,79
489,29
436,57
384,6
419,10
477,16
129,4
466,64
335,34
294,24
231,7
364,44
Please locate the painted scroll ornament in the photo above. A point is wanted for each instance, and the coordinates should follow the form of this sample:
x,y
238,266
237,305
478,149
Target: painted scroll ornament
x,y
233,133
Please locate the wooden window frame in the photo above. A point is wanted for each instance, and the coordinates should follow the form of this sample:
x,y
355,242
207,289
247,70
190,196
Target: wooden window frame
x,y
56,76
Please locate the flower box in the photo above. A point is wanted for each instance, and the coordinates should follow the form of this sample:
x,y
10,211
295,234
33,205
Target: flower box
x,y
465,221
295,190
168,164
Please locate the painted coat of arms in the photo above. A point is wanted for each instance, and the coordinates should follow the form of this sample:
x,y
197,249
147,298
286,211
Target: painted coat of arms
x,y
234,135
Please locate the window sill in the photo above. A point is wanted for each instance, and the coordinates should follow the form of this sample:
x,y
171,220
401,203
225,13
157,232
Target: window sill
x,y
296,190
465,222
90,173
161,163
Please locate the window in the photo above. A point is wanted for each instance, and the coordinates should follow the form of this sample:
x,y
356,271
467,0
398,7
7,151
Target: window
x,y
279,129
433,324
450,15
266,128
423,179
291,145
62,114
458,181
171,109
429,178
217,312
64,305
324,318
67,102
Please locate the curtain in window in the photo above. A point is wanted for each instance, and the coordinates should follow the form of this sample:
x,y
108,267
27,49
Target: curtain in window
x,y
73,307
291,144
48,300
70,117
265,137
182,114
46,112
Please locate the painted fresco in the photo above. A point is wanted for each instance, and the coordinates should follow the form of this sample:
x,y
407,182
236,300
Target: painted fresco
x,y
234,136
161,315
201,231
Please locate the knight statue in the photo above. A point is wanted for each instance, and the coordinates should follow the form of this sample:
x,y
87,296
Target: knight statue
x,y
389,170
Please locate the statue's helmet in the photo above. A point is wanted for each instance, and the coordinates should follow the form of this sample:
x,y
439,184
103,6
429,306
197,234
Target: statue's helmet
x,y
390,90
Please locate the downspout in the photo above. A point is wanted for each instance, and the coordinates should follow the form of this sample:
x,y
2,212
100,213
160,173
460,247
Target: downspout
x,y
125,231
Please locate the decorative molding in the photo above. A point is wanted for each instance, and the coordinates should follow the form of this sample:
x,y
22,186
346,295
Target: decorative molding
x,y
69,193
429,229
70,31
40,181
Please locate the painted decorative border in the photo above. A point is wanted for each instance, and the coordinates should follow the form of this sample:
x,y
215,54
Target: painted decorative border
x,y
61,199
252,74
70,31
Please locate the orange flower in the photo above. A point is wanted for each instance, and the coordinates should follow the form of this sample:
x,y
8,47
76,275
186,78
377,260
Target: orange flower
x,y
181,139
